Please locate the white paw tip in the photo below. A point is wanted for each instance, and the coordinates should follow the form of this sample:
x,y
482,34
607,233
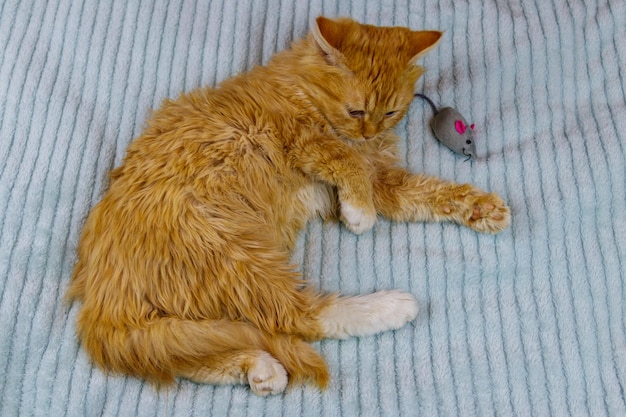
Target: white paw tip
x,y
357,219
267,376
369,314
406,307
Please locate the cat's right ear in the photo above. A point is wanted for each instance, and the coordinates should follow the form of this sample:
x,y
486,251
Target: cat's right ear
x,y
423,42
327,35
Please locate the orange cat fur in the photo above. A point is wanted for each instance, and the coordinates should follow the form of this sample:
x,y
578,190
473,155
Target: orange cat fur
x,y
184,266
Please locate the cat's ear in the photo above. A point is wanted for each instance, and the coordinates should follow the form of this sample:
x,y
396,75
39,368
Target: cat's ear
x,y
422,42
328,34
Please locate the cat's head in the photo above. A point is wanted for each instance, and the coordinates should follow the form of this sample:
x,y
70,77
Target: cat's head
x,y
373,74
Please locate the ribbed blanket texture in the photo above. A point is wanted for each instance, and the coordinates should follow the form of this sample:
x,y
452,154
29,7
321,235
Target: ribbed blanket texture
x,y
529,322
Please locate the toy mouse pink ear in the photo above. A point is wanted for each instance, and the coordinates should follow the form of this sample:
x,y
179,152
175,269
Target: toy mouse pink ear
x,y
460,127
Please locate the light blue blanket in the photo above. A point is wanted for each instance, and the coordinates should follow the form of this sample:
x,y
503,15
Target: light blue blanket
x,y
529,322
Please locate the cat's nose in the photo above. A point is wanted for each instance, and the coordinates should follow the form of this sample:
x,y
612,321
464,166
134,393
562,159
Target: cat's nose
x,y
369,130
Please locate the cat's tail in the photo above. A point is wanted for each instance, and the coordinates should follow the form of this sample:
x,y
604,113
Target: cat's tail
x,y
164,348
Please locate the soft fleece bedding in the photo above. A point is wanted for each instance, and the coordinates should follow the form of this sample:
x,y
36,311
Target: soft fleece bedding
x,y
529,322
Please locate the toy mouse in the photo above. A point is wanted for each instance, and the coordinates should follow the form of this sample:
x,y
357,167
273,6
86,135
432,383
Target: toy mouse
x,y
451,129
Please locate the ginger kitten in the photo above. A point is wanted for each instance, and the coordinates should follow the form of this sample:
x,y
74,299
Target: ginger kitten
x,y
184,266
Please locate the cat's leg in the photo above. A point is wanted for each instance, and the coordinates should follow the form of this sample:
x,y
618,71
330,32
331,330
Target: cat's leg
x,y
313,316
256,368
337,164
402,196
274,298
276,302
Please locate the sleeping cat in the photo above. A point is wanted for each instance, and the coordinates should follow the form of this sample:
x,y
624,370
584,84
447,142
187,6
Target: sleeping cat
x,y
184,266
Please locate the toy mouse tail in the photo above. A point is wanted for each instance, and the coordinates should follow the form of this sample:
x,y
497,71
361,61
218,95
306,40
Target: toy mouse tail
x,y
422,96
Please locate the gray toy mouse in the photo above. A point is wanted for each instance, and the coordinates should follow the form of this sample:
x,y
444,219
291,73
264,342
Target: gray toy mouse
x,y
451,129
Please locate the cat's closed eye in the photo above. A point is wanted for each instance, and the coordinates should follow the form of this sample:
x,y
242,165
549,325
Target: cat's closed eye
x,y
391,113
359,114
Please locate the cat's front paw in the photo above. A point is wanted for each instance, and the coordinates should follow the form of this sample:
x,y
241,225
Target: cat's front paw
x,y
267,376
476,209
357,219
488,213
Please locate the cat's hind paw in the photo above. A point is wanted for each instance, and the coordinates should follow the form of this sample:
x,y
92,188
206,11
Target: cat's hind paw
x,y
368,314
356,219
267,376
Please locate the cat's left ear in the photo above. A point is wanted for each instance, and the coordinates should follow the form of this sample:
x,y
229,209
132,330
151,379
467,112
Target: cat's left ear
x,y
328,34
422,42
